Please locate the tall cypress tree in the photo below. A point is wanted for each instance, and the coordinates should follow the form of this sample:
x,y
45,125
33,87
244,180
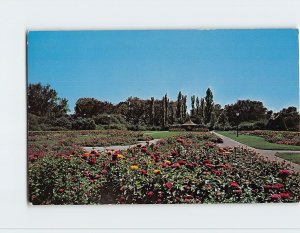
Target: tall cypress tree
x,y
193,112
201,110
152,110
184,107
197,106
209,103
179,106
166,109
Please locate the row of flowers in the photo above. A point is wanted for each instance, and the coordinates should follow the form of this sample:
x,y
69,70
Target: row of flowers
x,y
279,137
189,169
88,137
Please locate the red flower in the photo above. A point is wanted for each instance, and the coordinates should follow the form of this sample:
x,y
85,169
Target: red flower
x,y
92,160
139,145
285,195
122,200
169,185
209,165
190,165
181,162
61,190
275,196
173,153
144,149
278,186
103,172
207,161
273,186
144,172
217,172
284,172
234,184
175,165
180,140
150,194
237,191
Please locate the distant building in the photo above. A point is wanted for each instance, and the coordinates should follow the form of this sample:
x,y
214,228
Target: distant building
x,y
187,126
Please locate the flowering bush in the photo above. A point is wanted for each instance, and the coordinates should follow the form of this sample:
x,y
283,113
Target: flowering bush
x,y
279,137
189,169
87,137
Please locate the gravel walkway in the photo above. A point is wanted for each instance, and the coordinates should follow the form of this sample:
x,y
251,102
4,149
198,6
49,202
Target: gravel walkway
x,y
100,148
270,154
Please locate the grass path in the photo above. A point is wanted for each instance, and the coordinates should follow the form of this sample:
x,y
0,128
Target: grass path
x,y
163,134
257,142
269,154
293,157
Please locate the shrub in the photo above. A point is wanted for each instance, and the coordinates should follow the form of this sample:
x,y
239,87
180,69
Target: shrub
x,y
103,119
60,180
63,122
115,126
33,123
83,124
137,127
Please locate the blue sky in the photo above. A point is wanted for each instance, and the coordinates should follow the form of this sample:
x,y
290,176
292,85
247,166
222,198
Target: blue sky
x,y
113,65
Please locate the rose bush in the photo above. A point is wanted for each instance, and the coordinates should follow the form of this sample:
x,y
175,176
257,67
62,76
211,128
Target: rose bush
x,y
279,137
185,169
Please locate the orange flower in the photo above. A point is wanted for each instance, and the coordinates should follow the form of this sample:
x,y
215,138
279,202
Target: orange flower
x,y
120,156
134,167
156,171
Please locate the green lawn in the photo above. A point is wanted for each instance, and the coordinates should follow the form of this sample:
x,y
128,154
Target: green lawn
x,y
293,157
257,142
163,134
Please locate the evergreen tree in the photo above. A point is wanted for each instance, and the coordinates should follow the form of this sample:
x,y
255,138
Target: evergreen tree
x,y
179,106
201,110
152,110
193,112
209,103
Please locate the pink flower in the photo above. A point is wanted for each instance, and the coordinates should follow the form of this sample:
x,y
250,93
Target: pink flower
x,y
275,196
181,162
180,140
150,194
61,190
237,191
234,184
169,185
217,172
285,195
175,165
284,172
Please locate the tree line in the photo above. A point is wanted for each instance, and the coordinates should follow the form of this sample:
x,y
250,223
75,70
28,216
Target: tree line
x,y
47,111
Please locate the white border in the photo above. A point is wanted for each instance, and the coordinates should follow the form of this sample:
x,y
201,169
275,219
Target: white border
x,y
18,16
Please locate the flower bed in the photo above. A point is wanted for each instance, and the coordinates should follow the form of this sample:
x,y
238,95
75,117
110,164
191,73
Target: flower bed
x,y
278,137
88,137
189,169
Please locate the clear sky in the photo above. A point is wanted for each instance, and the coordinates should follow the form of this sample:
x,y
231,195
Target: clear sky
x,y
113,65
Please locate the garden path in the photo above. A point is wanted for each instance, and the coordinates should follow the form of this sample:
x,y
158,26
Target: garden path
x,y
270,154
101,148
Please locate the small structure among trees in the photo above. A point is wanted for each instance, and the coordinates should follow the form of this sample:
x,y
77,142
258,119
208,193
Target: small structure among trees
x,y
188,126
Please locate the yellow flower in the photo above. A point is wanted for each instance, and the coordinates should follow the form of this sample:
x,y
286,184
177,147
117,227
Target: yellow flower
x,y
120,156
156,171
167,162
134,167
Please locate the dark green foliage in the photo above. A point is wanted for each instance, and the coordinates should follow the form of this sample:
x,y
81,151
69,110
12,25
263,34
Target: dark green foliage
x,y
209,104
83,124
44,101
63,122
248,110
